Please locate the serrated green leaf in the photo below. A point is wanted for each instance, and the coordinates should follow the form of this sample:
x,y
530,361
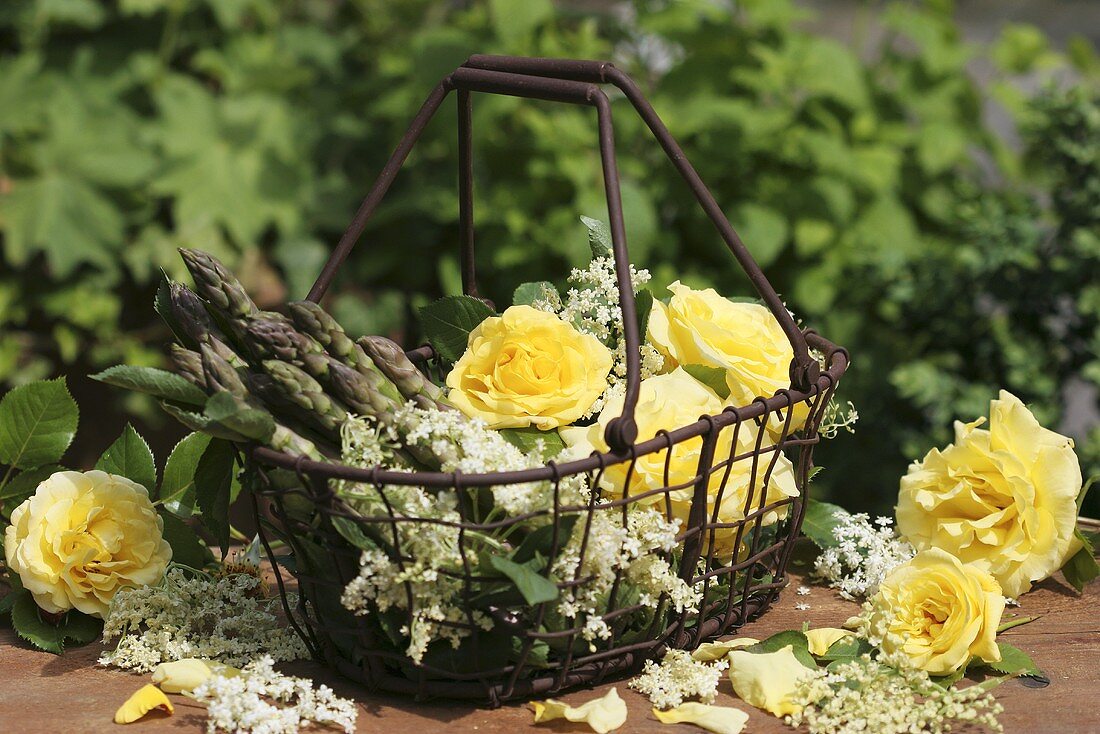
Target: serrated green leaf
x,y
24,484
528,293
800,646
535,587
129,456
448,322
30,626
819,522
712,377
1081,568
599,237
1015,661
529,440
151,381
80,628
187,548
37,423
353,533
213,483
177,488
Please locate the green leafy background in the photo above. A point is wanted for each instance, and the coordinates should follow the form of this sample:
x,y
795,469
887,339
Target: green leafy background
x,y
949,259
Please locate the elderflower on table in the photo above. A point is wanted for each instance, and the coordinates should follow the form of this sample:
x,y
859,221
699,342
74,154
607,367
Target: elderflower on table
x,y
263,701
222,619
678,677
863,556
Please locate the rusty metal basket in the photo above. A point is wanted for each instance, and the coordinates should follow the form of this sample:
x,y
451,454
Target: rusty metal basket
x,y
733,590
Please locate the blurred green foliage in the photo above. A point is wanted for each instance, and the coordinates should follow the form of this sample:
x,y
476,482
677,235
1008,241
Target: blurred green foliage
x,y
861,175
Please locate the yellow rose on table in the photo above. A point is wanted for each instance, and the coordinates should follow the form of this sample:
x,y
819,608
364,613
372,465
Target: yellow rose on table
x,y
671,401
1004,499
937,613
83,536
528,368
744,339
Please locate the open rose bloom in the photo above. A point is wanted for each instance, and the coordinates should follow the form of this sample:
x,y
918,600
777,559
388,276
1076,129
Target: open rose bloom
x,y
1003,499
84,536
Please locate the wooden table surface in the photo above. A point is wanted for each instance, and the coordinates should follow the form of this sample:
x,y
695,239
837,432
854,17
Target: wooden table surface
x,y
42,693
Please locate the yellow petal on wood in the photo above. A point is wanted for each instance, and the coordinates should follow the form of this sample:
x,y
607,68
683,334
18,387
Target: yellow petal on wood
x,y
823,638
144,700
187,674
767,680
603,714
708,652
718,719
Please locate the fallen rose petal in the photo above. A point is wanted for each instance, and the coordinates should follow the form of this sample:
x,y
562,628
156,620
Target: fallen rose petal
x,y
767,680
603,714
718,719
144,700
708,652
185,675
823,638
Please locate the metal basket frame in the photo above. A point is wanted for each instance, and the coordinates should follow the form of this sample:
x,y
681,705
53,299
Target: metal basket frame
x,y
738,590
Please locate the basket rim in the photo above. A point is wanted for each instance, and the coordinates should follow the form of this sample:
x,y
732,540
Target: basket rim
x,y
837,358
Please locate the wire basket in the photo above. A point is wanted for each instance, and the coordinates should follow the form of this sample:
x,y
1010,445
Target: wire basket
x,y
520,656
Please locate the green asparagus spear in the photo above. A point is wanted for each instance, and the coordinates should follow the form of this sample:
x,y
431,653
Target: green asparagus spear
x,y
390,358
217,284
188,364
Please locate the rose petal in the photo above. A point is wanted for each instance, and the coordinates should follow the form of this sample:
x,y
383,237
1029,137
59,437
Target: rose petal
x,y
144,700
718,719
767,680
603,714
708,652
823,638
187,674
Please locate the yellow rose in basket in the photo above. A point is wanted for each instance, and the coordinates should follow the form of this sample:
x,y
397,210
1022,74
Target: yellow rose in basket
x,y
937,613
744,339
671,401
528,368
83,536
1004,499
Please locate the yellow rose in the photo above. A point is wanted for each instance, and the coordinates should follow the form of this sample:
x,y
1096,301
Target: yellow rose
x,y
702,327
937,613
667,402
1003,499
83,536
528,368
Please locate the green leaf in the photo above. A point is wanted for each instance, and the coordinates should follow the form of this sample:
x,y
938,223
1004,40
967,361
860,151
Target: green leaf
x,y
177,488
1015,661
515,19
528,293
763,230
448,322
599,237
151,381
1084,491
819,521
129,456
37,423
538,541
847,648
24,484
712,377
528,441
29,624
535,587
187,548
1081,568
213,482
199,422
352,532
231,412
800,646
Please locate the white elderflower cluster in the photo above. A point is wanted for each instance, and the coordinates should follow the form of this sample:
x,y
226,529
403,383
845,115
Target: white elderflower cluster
x,y
226,619
260,700
838,417
432,565
677,678
863,556
865,695
592,306
632,548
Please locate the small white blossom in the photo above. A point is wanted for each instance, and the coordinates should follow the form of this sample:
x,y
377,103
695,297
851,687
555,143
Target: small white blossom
x,y
263,701
677,678
801,606
225,619
863,556
802,591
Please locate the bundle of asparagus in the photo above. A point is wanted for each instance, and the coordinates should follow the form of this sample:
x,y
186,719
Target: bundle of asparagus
x,y
301,374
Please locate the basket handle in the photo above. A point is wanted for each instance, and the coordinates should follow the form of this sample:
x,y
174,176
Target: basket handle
x,y
576,82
